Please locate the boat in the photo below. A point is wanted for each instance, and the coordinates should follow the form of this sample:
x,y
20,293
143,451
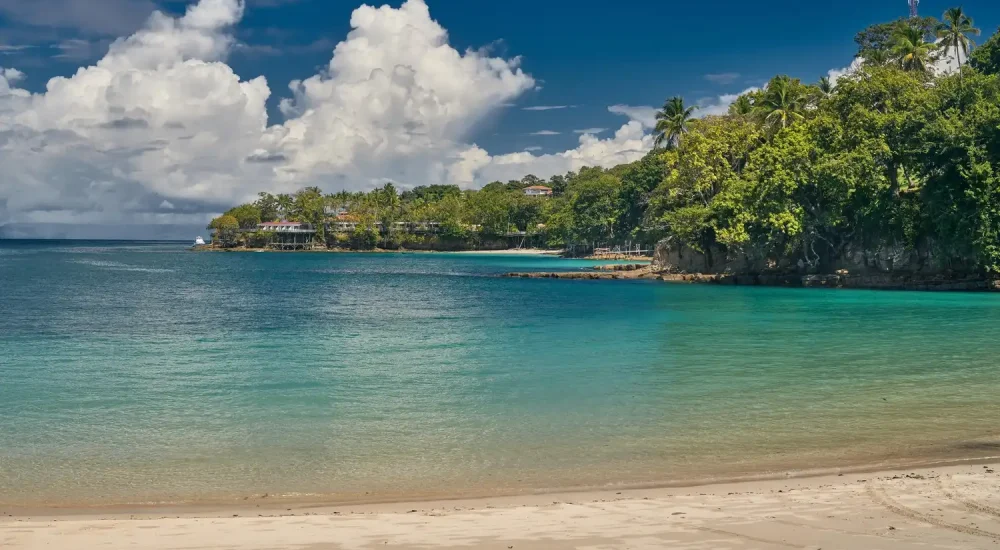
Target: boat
x,y
199,241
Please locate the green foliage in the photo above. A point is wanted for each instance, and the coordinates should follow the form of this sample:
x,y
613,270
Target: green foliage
x,y
911,49
954,34
782,103
795,176
878,40
247,215
226,228
267,205
672,122
986,58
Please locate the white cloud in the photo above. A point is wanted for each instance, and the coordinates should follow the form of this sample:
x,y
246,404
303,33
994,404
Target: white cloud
x,y
630,143
533,148
547,107
544,133
11,75
719,105
590,131
12,48
644,114
162,130
722,78
836,74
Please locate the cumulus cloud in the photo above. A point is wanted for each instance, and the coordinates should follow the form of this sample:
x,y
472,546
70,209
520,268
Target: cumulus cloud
x,y
11,75
630,143
719,105
836,74
644,114
161,129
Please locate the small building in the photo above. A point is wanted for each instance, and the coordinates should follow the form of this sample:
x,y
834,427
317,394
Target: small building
x,y
286,227
538,191
285,235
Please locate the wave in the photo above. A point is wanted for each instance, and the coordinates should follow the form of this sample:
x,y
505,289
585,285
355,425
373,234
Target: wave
x,y
116,266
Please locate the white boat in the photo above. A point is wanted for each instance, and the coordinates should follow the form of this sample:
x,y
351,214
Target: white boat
x,y
199,241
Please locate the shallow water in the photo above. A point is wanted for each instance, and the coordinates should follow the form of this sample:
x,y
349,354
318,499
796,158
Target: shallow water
x,y
143,372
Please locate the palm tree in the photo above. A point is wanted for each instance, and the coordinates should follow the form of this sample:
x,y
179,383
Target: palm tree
x,y
822,90
742,106
876,58
954,32
672,122
910,49
825,86
285,204
782,103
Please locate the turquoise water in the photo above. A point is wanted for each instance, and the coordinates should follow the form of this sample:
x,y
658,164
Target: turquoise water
x,y
143,372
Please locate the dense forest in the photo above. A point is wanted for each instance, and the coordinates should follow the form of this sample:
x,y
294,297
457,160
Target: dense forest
x,y
897,154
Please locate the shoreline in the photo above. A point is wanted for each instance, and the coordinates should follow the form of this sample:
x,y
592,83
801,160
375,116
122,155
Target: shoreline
x,y
253,501
500,252
889,508
845,281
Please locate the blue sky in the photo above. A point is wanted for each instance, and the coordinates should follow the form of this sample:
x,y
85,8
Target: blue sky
x,y
586,55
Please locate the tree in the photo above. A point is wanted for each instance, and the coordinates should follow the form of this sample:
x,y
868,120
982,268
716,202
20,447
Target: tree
x,y
877,58
247,215
226,228
742,107
309,206
882,107
267,204
672,122
986,58
954,35
592,206
782,103
876,41
825,87
285,204
910,49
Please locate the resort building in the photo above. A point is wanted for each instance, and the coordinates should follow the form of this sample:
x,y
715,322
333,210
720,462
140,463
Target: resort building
x,y
538,191
285,235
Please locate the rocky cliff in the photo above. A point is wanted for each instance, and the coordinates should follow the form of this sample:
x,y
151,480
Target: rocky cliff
x,y
892,267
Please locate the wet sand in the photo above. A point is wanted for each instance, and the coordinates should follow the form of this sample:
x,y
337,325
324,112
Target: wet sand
x,y
948,507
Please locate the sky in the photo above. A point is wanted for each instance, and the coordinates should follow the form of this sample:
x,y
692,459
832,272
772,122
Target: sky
x,y
168,111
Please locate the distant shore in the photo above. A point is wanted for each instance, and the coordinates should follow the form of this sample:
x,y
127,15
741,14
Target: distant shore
x,y
508,251
949,506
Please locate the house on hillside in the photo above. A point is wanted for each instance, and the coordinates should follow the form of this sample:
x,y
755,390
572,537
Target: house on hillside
x,y
538,191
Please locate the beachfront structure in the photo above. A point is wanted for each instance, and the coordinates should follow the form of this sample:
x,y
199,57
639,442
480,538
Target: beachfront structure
x,y
342,225
538,191
285,235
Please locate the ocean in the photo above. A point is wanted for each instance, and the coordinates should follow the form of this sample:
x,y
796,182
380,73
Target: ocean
x,y
143,373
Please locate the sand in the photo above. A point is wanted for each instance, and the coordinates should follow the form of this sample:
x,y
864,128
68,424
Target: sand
x,y
955,507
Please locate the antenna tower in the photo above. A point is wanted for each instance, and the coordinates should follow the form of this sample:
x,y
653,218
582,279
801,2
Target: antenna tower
x,y
913,7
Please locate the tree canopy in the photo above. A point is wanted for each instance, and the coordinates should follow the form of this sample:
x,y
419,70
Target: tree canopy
x,y
885,159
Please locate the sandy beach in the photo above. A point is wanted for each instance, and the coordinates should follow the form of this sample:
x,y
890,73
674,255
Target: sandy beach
x,y
948,507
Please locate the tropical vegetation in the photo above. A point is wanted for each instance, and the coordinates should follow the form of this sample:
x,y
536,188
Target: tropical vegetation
x,y
893,156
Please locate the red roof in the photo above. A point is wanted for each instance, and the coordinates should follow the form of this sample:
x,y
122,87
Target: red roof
x,y
539,188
